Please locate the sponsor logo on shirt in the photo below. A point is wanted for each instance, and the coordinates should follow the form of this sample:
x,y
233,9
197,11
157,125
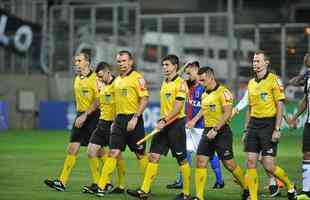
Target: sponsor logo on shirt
x,y
168,95
264,96
124,92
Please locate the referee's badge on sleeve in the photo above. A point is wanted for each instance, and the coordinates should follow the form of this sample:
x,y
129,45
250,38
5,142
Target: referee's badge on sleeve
x,y
227,96
142,83
280,84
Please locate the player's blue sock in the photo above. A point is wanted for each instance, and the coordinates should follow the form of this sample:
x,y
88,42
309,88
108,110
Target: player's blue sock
x,y
216,166
189,158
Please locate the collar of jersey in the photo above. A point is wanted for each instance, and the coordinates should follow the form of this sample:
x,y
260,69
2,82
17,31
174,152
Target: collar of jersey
x,y
258,80
175,77
113,77
215,88
129,72
88,75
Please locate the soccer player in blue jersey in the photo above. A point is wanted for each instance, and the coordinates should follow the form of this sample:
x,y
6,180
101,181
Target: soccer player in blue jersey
x,y
194,131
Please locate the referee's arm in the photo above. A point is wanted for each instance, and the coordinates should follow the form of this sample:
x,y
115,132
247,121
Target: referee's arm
x,y
279,116
93,107
142,105
227,111
81,119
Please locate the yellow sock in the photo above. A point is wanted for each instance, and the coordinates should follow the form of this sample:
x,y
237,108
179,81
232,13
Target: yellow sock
x,y
252,183
280,174
143,161
186,175
200,180
68,165
94,169
121,173
150,173
239,175
107,171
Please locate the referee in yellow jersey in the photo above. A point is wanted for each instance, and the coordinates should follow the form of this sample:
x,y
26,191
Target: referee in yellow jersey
x,y
263,122
131,98
173,94
85,91
216,109
100,138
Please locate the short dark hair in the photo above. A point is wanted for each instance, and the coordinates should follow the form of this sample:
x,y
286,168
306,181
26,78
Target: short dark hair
x,y
122,52
103,66
266,56
206,70
193,64
87,54
172,58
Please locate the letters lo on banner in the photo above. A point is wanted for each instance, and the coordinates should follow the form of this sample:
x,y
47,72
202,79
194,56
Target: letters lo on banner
x,y
17,34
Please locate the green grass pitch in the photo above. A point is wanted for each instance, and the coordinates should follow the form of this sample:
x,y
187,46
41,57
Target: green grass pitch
x,y
29,157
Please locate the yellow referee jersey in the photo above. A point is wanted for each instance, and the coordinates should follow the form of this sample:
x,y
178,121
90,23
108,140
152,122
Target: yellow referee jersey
x,y
212,103
264,95
169,92
107,102
85,91
128,90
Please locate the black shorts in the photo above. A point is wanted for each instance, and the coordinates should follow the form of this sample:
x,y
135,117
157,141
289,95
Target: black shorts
x,y
221,144
120,137
173,137
82,135
259,136
306,139
101,135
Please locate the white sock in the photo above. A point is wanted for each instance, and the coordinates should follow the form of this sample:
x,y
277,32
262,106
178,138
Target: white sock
x,y
272,181
306,176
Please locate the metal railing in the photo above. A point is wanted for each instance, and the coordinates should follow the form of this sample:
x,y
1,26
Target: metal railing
x,y
99,27
106,28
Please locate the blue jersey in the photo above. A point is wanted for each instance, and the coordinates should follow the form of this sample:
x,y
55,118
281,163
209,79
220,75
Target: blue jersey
x,y
193,103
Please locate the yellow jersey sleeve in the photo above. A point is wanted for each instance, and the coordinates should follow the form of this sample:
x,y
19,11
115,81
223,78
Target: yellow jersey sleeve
x,y
278,89
182,90
142,87
226,97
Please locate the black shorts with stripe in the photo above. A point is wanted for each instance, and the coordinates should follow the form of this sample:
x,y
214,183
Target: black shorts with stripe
x,y
222,144
82,135
172,137
120,137
101,135
259,136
